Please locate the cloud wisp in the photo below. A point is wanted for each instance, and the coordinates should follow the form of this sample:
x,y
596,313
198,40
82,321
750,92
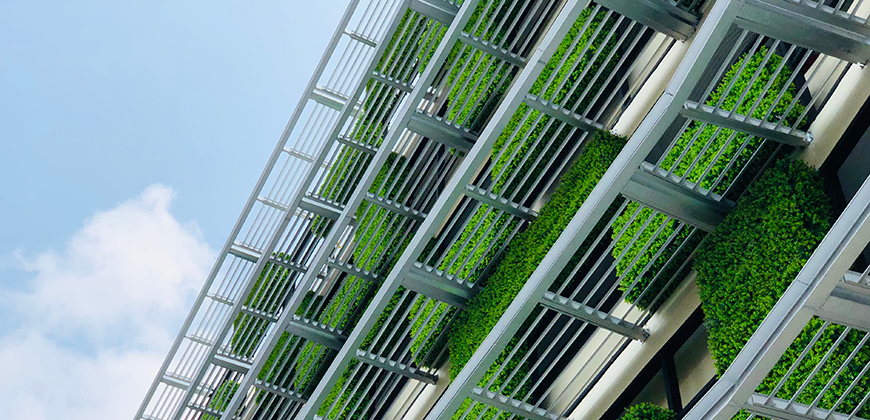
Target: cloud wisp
x,y
91,327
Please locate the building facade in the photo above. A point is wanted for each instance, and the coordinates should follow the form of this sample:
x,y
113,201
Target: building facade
x,y
552,209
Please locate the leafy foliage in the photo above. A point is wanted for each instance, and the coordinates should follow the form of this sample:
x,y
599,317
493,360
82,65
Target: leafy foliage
x,y
692,148
528,249
647,411
752,257
693,145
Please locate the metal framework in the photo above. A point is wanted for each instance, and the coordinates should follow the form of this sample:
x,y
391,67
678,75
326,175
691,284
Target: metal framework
x,y
672,195
427,139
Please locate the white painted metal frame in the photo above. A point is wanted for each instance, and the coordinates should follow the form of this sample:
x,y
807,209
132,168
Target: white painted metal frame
x,y
355,24
815,287
654,126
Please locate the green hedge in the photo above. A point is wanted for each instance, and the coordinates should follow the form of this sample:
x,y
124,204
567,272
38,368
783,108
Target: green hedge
x,y
752,257
526,251
658,270
534,124
523,121
749,262
767,103
350,379
647,411
624,268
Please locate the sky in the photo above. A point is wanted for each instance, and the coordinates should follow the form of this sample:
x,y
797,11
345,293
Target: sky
x,y
131,134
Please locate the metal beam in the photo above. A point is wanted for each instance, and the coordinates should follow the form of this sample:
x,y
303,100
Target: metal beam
x,y
175,381
395,207
742,123
675,200
659,15
435,284
778,408
314,333
329,98
439,10
565,115
281,392
500,203
352,270
396,367
288,265
365,148
511,405
244,252
593,316
849,304
359,37
320,207
794,26
231,363
492,49
391,82
442,132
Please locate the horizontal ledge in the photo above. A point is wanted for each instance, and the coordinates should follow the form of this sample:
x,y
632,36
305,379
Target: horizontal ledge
x,y
231,363
281,392
744,124
593,316
396,367
395,206
439,10
391,82
437,285
793,25
492,49
314,332
328,98
500,203
356,145
648,188
360,37
352,270
511,405
436,129
564,115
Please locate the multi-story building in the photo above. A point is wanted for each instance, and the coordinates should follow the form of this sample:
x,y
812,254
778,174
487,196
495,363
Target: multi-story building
x,y
552,209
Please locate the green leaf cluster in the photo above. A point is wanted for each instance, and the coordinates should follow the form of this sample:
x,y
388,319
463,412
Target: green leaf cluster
x,y
659,269
718,137
647,411
686,151
748,263
527,250
528,125
754,255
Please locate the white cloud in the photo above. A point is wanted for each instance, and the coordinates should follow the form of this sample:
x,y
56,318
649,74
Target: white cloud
x,y
99,315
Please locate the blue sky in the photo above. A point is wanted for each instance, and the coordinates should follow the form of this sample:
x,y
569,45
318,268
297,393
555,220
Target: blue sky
x,y
131,134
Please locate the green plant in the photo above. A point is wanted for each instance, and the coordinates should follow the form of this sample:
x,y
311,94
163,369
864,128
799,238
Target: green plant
x,y
814,388
654,238
692,145
221,397
755,253
527,250
531,124
749,262
647,411
686,151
